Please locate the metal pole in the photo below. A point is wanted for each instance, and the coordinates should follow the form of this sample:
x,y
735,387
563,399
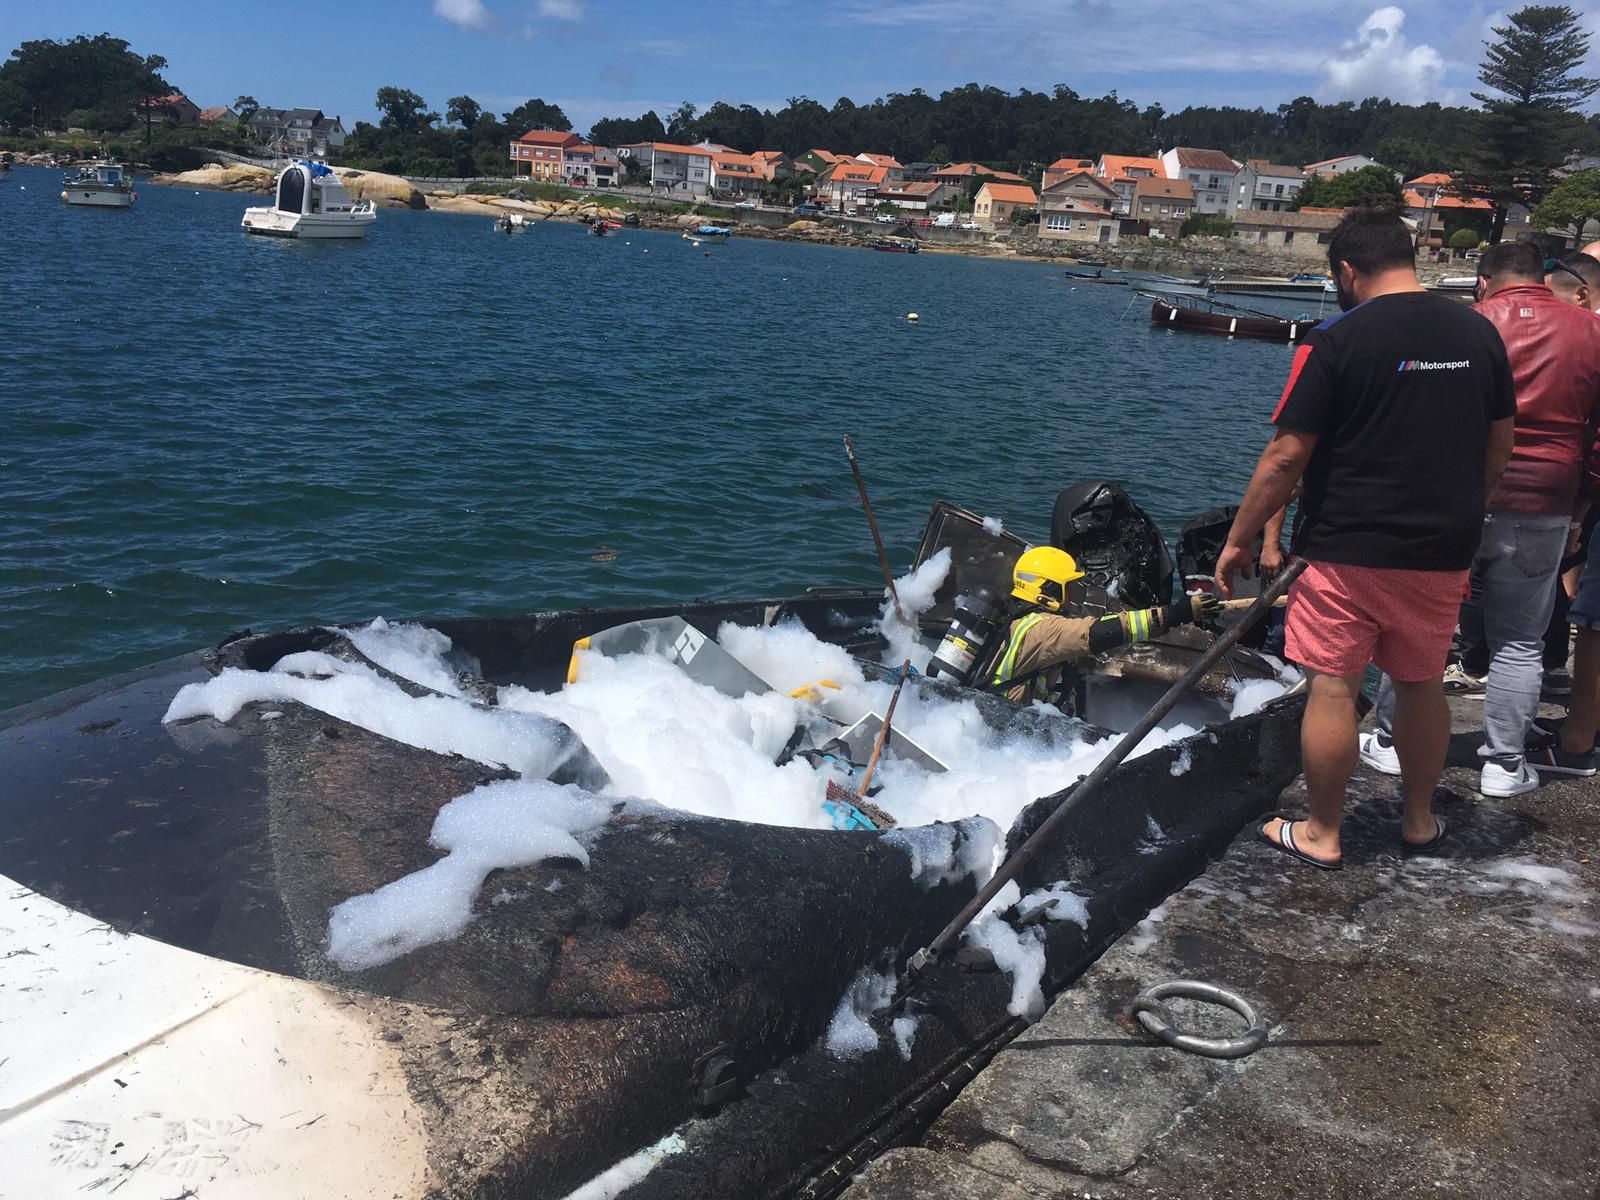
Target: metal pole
x,y
927,957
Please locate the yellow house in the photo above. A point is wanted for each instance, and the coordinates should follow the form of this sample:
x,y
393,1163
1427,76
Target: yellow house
x,y
995,202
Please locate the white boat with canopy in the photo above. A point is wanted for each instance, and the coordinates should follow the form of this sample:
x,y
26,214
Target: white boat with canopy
x,y
99,185
310,202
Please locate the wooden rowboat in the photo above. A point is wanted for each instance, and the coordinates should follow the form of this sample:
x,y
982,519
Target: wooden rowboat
x,y
1228,322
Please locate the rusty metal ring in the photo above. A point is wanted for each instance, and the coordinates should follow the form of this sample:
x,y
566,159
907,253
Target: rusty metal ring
x,y
1158,1021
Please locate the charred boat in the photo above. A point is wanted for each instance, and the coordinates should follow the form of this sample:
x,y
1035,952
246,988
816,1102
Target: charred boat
x,y
1228,321
646,1003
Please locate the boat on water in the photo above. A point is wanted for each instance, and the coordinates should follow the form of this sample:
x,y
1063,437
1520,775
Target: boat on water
x,y
310,202
1318,288
1171,285
714,232
1095,274
511,223
1228,320
99,185
604,228
1456,284
896,246
190,847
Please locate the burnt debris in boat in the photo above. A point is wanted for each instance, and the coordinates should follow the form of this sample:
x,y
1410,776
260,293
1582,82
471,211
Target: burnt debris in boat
x,y
681,981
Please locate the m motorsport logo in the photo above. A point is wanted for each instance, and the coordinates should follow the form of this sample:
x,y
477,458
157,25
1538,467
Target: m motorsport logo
x,y
1422,364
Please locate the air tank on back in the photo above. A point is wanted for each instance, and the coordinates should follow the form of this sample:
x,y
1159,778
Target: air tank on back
x,y
977,616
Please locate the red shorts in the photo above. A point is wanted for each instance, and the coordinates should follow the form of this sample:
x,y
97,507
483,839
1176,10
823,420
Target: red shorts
x,y
1341,618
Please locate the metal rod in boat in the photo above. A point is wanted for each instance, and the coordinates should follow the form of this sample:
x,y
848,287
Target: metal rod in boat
x,y
925,958
872,524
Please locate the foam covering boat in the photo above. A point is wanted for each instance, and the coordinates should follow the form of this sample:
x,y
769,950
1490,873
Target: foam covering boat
x,y
174,1020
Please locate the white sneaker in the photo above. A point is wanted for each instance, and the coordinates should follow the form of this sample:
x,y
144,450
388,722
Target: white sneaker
x,y
1495,780
1379,757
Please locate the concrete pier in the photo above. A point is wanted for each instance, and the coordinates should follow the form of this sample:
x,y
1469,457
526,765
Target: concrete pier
x,y
1435,1026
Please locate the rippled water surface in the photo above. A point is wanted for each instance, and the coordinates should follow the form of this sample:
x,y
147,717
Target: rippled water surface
x,y
203,431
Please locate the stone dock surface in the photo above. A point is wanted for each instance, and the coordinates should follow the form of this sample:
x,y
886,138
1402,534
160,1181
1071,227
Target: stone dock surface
x,y
1435,1025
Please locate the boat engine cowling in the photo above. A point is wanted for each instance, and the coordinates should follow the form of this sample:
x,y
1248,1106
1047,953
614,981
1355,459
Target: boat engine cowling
x,y
1118,547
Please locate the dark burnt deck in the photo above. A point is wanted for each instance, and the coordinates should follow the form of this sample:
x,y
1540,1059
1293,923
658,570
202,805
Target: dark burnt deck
x,y
1435,1026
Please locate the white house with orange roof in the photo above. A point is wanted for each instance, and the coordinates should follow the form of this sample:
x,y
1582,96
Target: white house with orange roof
x,y
995,202
1211,173
896,172
1439,213
677,170
1122,173
735,176
849,185
773,164
1068,196
1163,204
1064,166
540,154
1267,186
917,197
1342,165
1064,217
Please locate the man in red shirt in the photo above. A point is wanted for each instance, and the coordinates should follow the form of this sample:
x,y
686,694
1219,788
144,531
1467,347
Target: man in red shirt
x,y
1398,415
1554,349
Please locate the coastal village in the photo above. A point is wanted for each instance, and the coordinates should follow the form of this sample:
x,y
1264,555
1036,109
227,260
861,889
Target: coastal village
x,y
1075,206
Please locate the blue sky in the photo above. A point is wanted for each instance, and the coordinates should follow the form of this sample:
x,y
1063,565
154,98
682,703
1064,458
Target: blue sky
x,y
618,57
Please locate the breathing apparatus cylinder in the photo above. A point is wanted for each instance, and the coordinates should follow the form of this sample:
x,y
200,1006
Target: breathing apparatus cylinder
x,y
976,618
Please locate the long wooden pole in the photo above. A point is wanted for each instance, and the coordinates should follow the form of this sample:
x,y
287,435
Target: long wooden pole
x,y
872,524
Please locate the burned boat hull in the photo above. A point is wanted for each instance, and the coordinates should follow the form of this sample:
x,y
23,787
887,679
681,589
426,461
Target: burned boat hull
x,y
686,976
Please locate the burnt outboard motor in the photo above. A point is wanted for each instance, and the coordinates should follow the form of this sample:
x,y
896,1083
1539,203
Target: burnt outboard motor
x,y
1117,546
1200,544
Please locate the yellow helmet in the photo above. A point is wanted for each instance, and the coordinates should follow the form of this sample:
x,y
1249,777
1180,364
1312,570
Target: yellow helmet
x,y
1041,577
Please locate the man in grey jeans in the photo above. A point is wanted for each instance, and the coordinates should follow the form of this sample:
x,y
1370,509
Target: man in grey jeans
x,y
1554,350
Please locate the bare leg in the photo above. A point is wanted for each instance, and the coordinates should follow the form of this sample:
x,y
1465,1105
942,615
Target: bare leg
x,y
1421,739
1328,754
1583,713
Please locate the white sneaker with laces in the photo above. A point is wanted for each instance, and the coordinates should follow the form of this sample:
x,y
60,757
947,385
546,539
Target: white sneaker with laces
x,y
1379,757
1458,682
1495,780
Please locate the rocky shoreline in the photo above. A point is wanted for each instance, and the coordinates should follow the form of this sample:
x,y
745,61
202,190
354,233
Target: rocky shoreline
x,y
1192,256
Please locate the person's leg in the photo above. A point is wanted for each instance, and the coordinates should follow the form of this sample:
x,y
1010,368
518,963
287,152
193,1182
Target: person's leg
x,y
1421,738
1472,645
1521,556
1583,711
1328,756
1558,634
1383,711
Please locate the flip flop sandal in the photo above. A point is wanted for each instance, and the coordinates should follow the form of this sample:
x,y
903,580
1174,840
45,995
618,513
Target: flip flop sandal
x,y
1407,849
1287,846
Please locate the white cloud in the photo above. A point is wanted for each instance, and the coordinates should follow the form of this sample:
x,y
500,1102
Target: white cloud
x,y
1380,61
463,14
561,10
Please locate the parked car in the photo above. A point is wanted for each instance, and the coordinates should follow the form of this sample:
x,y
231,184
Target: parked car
x,y
945,221
969,225
748,204
923,222
808,209
886,218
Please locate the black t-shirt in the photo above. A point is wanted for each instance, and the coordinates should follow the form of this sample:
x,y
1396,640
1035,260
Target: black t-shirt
x,y
1400,392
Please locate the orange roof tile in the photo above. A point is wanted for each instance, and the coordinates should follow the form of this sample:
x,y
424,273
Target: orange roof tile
x,y
1435,179
1462,202
827,156
1117,166
1175,189
549,137
666,148
880,160
1415,201
733,162
1072,164
1009,193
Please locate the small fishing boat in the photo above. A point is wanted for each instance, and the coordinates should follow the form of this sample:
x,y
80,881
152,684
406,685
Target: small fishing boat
x,y
99,185
1228,320
896,246
603,228
1172,285
1096,274
603,1001
1456,284
310,202
511,223
721,232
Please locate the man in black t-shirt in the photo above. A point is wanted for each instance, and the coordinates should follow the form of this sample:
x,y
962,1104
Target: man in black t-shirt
x,y
1397,419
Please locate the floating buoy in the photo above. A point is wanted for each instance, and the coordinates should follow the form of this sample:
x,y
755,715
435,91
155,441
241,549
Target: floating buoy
x,y
911,316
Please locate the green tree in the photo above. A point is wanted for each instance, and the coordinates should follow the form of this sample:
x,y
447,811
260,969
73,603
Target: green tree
x,y
246,107
1573,202
404,112
1528,124
1465,239
682,127
536,114
1373,186
463,111
85,75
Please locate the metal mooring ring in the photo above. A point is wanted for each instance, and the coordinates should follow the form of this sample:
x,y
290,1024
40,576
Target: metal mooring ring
x,y
1158,1020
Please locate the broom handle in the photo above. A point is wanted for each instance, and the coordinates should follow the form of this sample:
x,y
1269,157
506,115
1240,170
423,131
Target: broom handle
x,y
872,524
883,734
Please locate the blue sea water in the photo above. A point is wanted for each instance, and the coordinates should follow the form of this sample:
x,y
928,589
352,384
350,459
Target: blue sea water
x,y
202,431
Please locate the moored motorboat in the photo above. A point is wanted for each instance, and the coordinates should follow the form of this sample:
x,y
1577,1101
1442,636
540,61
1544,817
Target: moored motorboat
x,y
895,246
604,228
615,994
310,202
99,185
511,223
1228,321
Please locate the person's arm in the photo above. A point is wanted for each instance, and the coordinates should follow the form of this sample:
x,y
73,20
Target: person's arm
x,y
1277,474
1501,435
1060,639
1272,544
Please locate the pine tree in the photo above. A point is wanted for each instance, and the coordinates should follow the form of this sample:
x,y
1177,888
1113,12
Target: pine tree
x,y
1528,124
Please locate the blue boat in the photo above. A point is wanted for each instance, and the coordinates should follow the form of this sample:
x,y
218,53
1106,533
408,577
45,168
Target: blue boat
x,y
712,231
